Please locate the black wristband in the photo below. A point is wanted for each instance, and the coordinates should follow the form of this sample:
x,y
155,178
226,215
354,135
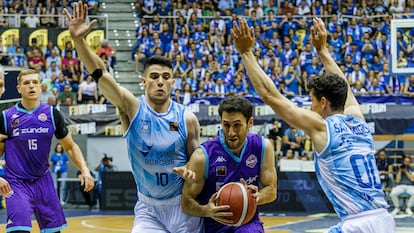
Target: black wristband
x,y
97,74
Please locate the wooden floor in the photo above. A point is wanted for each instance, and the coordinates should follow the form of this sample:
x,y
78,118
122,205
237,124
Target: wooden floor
x,y
317,223
121,224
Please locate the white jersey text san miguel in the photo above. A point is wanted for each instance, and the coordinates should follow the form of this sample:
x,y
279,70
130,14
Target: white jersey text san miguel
x,y
346,168
157,143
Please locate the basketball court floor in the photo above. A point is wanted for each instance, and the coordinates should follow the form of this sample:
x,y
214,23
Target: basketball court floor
x,y
81,220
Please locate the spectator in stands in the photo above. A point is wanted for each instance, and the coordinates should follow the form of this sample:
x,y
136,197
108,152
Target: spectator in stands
x,y
105,165
32,20
36,60
290,155
46,96
73,75
375,88
53,58
359,89
385,169
356,75
48,49
148,7
405,184
293,139
67,97
33,46
93,7
187,94
109,51
59,162
409,86
68,48
88,92
69,58
48,14
59,83
275,135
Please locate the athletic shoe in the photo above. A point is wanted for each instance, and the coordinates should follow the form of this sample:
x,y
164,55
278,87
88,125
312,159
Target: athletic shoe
x,y
395,211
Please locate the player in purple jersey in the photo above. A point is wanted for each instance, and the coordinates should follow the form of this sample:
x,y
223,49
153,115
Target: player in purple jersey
x,y
234,155
30,126
344,154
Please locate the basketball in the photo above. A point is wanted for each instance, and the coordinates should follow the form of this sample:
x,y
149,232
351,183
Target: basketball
x,y
241,201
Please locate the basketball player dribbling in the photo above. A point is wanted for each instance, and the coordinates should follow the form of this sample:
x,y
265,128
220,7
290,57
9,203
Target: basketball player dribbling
x,y
233,155
344,150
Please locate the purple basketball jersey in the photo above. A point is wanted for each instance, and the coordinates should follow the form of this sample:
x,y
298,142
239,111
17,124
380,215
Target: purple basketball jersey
x,y
225,167
27,170
30,135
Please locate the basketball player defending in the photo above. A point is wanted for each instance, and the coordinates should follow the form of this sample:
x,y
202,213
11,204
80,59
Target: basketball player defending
x,y
27,182
344,150
233,155
160,135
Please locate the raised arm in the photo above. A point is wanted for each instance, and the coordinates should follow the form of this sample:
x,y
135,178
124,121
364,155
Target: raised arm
x,y
307,120
318,39
78,28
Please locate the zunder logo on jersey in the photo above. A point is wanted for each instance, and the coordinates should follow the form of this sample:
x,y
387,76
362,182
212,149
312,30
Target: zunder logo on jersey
x,y
251,161
42,117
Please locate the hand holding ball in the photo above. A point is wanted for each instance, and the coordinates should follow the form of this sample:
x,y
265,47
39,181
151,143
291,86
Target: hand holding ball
x,y
241,201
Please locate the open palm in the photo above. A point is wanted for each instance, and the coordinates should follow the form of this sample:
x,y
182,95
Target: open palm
x,y
77,23
243,36
318,34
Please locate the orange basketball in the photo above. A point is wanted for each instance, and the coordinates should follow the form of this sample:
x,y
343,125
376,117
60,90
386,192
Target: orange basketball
x,y
241,201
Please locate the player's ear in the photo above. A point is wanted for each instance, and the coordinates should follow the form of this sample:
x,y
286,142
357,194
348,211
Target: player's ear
x,y
250,122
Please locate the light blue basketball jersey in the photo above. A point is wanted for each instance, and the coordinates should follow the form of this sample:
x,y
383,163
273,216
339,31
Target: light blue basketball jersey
x,y
157,143
346,168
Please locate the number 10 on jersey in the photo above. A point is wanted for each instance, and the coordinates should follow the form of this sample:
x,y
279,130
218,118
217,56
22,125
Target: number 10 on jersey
x,y
162,178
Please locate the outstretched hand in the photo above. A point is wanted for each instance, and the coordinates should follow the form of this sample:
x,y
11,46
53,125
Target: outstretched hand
x,y
185,173
77,22
318,34
243,36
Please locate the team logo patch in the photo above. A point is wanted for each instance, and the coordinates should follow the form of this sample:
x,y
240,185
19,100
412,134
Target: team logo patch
x,y
42,117
174,126
251,161
15,122
221,171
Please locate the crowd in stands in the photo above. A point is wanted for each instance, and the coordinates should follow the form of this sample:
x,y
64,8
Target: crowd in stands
x,y
39,13
196,35
64,79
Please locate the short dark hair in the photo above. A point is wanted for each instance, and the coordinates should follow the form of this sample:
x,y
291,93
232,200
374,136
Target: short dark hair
x,y
236,104
157,60
332,87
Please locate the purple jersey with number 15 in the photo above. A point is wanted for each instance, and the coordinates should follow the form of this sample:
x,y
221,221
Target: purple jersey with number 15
x,y
30,135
